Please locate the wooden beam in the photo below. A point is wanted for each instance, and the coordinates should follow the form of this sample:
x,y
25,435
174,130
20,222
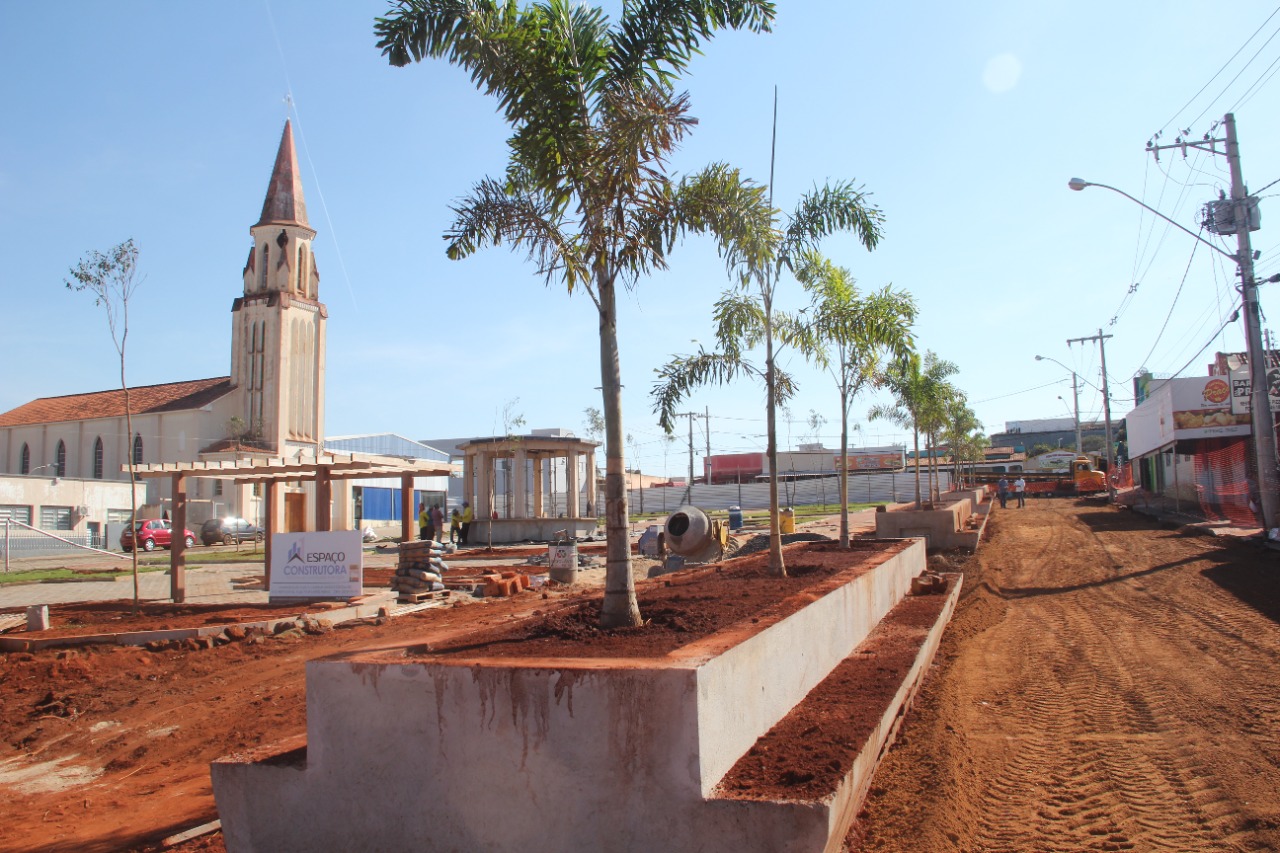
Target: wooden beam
x,y
178,541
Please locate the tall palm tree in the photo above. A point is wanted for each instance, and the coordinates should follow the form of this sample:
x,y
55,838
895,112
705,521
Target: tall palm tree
x,y
858,331
586,192
748,317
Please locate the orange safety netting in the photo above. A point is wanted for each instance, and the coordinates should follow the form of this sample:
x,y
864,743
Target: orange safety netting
x,y
1222,481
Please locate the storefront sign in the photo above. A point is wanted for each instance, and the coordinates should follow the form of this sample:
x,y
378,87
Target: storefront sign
x,y
327,565
1242,387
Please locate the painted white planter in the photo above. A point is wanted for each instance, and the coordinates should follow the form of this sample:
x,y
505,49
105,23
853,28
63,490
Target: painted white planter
x,y
552,754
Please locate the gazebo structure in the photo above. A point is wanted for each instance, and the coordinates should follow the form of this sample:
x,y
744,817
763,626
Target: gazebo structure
x,y
549,487
273,472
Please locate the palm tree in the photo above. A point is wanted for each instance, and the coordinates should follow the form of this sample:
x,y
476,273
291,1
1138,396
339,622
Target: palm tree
x,y
746,317
916,384
857,330
586,192
963,433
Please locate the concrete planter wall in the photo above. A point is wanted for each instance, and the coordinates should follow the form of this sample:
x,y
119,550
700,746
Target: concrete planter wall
x,y
944,526
551,754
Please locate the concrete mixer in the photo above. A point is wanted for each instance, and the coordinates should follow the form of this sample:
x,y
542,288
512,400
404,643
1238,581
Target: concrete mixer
x,y
690,534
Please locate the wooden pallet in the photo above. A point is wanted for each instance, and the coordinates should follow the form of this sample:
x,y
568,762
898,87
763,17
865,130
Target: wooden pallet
x,y
419,597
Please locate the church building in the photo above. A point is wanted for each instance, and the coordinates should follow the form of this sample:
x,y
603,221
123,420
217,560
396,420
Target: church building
x,y
271,404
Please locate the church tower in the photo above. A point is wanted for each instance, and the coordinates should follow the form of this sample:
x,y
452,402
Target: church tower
x,y
278,325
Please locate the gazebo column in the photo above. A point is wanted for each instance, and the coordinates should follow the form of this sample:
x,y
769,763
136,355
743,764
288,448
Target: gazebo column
x,y
178,541
537,486
484,487
324,500
271,490
468,479
593,507
408,515
573,508
519,488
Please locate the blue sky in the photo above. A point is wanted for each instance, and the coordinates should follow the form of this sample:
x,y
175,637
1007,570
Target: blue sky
x,y
160,121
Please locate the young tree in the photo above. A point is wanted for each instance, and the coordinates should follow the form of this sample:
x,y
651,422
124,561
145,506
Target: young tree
x,y
586,193
857,332
110,278
964,436
747,317
916,384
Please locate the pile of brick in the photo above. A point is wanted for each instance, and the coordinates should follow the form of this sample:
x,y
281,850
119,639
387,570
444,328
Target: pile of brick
x,y
420,571
504,583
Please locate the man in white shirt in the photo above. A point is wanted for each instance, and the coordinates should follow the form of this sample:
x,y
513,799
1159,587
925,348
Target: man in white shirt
x,y
1020,489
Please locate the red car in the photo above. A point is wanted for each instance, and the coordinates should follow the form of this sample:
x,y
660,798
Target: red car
x,y
153,533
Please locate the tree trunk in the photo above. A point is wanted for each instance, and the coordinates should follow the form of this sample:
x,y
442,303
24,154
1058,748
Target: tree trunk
x,y
777,567
844,468
133,485
619,609
915,443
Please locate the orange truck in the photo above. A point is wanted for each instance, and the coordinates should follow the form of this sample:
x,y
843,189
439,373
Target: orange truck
x,y
1078,477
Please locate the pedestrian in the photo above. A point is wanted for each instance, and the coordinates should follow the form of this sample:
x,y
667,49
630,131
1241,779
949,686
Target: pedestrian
x,y
1002,490
468,516
455,526
1020,489
424,521
437,521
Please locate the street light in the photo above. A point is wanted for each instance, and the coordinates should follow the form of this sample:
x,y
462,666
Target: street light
x,y
1262,422
1075,393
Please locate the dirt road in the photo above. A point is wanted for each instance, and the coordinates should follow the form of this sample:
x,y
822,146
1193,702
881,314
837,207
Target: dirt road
x,y
1105,685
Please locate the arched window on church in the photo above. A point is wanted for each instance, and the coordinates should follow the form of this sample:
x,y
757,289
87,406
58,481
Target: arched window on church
x,y
266,256
97,458
60,459
137,448
24,460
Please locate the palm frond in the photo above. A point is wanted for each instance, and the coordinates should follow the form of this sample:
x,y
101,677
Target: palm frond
x,y
492,215
827,209
656,38
682,374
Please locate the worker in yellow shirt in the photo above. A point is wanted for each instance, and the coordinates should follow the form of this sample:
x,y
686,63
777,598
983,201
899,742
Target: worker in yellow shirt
x,y
424,522
468,516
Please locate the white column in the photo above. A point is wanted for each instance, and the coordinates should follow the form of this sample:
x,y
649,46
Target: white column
x,y
519,488
591,483
537,486
468,478
484,486
572,506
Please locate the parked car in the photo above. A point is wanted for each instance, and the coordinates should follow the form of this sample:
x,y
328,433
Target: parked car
x,y
153,533
229,530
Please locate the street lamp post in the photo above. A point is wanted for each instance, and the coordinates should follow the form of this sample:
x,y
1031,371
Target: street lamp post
x,y
1262,421
1075,395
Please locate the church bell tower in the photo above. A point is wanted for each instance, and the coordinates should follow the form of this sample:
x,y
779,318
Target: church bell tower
x,y
278,325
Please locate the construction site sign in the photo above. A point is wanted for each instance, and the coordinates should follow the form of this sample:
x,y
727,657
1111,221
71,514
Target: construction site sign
x,y
317,565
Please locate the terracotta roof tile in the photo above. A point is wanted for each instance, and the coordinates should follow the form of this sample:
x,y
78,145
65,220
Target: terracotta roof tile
x,y
146,399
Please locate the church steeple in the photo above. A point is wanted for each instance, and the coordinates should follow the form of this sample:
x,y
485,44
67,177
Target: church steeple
x,y
284,204
278,326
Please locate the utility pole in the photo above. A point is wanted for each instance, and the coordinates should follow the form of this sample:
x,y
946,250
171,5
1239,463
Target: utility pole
x,y
1075,396
1106,404
1262,421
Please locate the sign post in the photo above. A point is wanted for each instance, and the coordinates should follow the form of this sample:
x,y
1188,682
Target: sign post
x,y
316,565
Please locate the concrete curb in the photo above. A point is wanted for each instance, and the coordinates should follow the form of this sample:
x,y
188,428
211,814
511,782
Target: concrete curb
x,y
364,610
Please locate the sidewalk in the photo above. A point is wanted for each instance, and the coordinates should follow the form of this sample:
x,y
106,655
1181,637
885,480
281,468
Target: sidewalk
x,y
236,583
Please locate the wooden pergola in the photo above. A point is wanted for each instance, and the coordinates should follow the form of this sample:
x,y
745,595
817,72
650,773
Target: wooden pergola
x,y
274,470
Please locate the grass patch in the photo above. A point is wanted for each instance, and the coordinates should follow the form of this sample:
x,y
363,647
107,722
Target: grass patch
x,y
54,575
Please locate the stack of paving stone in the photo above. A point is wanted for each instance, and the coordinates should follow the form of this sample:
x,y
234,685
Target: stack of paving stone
x,y
420,571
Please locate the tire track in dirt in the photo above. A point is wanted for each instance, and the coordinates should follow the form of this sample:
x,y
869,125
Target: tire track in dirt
x,y
1118,700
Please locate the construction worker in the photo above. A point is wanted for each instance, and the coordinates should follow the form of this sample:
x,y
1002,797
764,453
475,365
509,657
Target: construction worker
x,y
468,516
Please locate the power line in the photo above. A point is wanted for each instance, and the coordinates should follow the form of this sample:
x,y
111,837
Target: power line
x,y
1220,70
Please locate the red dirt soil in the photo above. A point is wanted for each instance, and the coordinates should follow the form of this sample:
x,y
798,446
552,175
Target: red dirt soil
x,y
807,754
683,606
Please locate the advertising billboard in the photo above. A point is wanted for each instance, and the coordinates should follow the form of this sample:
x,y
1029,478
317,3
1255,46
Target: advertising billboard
x,y
317,565
872,461
1184,408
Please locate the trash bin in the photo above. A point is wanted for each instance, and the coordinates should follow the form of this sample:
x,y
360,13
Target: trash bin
x,y
562,562
788,523
735,518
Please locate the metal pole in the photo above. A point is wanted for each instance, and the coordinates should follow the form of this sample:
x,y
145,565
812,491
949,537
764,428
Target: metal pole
x,y
689,499
1106,412
1075,394
1262,421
